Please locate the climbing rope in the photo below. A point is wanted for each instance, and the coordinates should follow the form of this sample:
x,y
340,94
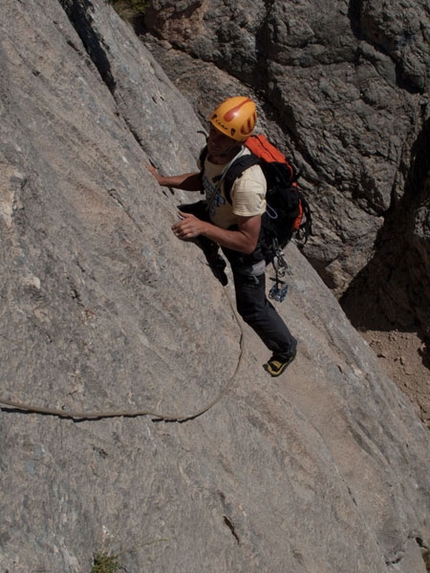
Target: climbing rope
x,y
11,404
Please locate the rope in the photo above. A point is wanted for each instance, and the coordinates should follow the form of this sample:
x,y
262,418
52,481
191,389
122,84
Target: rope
x,y
137,413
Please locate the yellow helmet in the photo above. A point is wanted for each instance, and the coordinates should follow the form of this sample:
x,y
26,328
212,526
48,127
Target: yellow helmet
x,y
235,117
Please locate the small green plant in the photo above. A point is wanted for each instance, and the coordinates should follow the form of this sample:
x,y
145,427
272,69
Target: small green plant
x,y
129,9
104,563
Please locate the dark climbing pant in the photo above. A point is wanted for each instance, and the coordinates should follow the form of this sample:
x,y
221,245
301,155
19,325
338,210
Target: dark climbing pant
x,y
257,311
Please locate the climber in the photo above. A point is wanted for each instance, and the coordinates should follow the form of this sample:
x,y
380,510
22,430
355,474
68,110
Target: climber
x,y
234,226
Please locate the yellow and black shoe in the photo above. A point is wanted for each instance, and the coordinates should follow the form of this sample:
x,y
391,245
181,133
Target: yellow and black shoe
x,y
276,366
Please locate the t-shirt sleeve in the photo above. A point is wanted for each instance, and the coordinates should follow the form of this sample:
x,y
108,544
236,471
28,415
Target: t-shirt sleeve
x,y
248,193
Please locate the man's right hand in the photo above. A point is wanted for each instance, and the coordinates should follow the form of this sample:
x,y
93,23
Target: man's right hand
x,y
154,172
186,181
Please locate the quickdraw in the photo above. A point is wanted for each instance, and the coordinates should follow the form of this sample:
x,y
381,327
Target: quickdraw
x,y
278,292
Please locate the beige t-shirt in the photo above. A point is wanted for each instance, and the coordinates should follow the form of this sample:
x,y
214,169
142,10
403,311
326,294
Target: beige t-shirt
x,y
247,194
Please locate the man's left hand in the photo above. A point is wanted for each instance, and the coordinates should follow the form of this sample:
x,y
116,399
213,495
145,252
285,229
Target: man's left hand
x,y
189,227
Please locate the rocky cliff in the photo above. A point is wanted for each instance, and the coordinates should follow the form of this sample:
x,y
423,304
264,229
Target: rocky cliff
x,y
136,418
344,88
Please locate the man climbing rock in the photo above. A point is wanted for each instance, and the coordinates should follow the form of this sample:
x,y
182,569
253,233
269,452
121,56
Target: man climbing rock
x,y
234,224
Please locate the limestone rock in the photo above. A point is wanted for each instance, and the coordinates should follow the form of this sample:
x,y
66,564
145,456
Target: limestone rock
x,y
343,88
102,309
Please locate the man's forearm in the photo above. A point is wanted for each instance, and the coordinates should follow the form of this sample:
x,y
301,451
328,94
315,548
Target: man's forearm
x,y
186,181
244,239
241,241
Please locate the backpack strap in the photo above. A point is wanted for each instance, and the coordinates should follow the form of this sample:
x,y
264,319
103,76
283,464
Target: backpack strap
x,y
202,157
236,170
233,170
305,230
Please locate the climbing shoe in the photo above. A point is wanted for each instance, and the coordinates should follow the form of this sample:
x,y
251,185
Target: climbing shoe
x,y
217,266
276,366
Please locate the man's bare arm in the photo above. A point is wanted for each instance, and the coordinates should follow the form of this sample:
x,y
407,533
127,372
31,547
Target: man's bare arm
x,y
244,239
185,181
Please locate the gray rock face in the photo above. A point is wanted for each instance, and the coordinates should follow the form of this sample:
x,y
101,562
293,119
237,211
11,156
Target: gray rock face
x,y
347,86
102,309
399,274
